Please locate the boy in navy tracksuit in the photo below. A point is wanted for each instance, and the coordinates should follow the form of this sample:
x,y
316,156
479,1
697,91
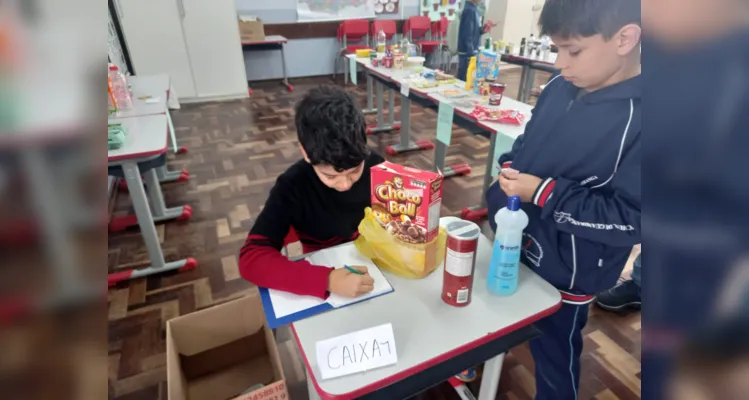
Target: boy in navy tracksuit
x,y
577,170
469,35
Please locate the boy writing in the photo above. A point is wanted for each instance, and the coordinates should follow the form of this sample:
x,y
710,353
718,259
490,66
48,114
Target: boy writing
x,y
576,169
322,198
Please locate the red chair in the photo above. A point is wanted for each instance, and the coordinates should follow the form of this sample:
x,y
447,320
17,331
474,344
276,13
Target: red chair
x,y
439,33
354,31
387,26
418,30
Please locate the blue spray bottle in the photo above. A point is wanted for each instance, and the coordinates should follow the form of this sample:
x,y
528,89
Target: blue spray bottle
x,y
503,269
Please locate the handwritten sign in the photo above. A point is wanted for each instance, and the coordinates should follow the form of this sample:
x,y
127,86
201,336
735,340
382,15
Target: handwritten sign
x,y
352,69
445,122
356,352
404,88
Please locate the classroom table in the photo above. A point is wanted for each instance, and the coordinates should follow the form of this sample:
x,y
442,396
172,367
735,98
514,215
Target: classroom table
x,y
271,42
501,136
530,64
146,145
150,97
433,340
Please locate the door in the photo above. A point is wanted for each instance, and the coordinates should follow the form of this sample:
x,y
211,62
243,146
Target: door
x,y
212,36
153,33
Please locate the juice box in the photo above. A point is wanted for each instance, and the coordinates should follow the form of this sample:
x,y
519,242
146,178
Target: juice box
x,y
406,201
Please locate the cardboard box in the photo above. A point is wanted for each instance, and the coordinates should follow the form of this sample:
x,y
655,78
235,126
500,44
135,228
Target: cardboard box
x,y
221,352
406,201
251,29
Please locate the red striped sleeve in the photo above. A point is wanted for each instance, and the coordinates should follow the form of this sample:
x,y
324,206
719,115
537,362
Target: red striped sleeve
x,y
543,192
266,267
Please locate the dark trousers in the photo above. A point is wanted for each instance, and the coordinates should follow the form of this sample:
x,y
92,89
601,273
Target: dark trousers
x,y
556,353
462,67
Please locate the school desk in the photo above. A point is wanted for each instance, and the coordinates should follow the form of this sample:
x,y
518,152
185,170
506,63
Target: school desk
x,y
433,340
501,136
530,64
145,150
151,97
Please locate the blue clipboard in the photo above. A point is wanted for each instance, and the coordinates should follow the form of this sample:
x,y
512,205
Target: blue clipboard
x,y
274,322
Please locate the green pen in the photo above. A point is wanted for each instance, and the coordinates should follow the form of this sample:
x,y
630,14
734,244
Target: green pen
x,y
353,271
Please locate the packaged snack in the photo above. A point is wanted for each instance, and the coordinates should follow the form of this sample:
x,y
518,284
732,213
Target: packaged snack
x,y
405,259
407,201
454,93
442,76
487,70
513,117
422,83
496,92
401,232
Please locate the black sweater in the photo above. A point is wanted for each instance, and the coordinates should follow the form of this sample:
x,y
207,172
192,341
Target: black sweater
x,y
321,217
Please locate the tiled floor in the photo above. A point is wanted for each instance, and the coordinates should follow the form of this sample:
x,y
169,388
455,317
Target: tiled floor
x,y
237,149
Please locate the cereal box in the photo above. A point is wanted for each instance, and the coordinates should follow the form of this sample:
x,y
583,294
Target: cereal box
x,y
487,70
406,201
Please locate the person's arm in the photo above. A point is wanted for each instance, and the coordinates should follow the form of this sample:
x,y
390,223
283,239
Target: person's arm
x,y
260,259
606,216
505,160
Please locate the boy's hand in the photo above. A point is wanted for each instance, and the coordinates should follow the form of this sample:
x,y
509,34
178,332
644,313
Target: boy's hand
x,y
488,26
345,283
514,183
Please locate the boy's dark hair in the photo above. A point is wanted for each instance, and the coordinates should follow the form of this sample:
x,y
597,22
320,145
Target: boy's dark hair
x,y
584,18
331,128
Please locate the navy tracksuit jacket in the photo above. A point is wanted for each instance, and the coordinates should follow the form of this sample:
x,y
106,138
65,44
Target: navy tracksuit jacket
x,y
469,37
697,230
585,215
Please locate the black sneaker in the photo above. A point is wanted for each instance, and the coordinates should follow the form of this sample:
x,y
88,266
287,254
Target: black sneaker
x,y
622,297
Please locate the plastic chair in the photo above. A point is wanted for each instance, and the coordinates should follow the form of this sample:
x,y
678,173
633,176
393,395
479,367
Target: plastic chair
x,y
354,31
418,30
439,34
387,26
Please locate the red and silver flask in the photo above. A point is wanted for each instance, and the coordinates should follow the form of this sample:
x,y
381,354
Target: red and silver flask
x,y
460,262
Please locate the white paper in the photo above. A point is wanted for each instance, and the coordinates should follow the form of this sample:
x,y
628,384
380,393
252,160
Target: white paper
x,y
356,352
285,303
404,88
338,260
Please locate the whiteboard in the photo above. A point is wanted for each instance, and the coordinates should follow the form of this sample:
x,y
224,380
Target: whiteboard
x,y
334,10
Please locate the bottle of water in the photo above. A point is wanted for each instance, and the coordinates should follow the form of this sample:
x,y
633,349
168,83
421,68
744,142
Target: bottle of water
x,y
120,89
503,268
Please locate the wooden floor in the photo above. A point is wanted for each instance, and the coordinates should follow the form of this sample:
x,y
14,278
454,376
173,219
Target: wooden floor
x,y
237,149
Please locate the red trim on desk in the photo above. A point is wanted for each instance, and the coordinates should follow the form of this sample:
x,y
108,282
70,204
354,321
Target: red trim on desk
x,y
426,364
137,155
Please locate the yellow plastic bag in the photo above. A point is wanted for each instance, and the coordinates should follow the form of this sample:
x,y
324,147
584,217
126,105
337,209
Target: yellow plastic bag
x,y
404,259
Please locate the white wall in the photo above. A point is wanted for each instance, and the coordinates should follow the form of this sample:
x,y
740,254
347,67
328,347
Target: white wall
x,y
515,19
304,57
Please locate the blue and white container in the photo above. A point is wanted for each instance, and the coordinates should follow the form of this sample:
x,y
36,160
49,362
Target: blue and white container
x,y
503,269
